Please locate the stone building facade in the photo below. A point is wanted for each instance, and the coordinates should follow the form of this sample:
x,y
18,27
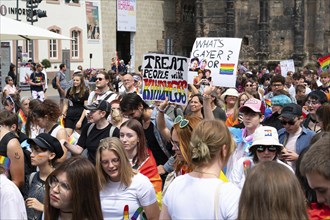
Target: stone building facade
x,y
271,30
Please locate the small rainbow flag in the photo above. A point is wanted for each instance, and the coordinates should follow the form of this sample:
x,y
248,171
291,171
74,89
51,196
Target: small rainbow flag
x,y
137,213
126,213
5,162
325,62
227,68
61,121
21,117
73,139
268,102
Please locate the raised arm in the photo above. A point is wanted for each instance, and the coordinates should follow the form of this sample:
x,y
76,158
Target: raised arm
x,y
160,121
208,114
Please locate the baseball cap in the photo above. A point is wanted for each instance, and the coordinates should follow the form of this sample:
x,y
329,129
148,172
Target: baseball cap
x,y
102,105
291,111
253,104
77,71
46,141
265,135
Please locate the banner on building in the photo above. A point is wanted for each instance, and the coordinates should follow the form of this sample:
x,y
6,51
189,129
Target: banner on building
x,y
286,66
165,76
93,22
214,60
126,15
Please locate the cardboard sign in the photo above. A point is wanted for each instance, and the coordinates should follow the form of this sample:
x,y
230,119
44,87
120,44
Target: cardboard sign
x,y
218,58
165,76
286,66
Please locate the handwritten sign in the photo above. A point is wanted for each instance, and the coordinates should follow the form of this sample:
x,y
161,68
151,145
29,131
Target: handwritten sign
x,y
286,66
165,76
218,56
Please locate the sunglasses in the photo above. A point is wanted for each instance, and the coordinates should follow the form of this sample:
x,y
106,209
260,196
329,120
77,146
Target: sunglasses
x,y
248,85
262,148
99,79
183,122
291,122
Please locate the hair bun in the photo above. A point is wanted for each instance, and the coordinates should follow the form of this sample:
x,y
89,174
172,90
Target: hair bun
x,y
200,151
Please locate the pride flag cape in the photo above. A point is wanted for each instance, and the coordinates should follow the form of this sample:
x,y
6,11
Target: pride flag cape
x,y
149,169
325,62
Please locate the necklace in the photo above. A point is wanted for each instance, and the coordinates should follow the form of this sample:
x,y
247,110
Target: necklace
x,y
202,172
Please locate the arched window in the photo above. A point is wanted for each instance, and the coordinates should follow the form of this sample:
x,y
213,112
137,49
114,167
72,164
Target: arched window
x,y
76,44
55,46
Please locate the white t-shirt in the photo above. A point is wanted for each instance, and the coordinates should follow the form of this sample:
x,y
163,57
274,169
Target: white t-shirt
x,y
237,176
115,196
291,145
189,197
12,204
91,97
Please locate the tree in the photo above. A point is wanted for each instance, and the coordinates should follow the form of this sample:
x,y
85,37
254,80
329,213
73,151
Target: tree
x,y
46,63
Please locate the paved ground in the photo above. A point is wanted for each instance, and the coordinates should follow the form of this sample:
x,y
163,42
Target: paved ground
x,y
50,94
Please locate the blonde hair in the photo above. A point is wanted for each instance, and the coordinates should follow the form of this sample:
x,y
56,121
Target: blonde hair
x,y
208,139
272,191
125,170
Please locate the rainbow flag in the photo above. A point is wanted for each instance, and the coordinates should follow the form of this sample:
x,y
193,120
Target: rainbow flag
x,y
227,69
126,213
325,62
21,117
73,139
5,162
61,121
268,102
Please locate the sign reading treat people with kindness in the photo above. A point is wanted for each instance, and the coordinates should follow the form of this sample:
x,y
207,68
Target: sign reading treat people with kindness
x,y
165,76
216,59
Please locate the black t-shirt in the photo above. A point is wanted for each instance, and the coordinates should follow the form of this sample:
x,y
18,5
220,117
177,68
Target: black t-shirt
x,y
219,113
91,142
76,104
324,89
153,145
37,78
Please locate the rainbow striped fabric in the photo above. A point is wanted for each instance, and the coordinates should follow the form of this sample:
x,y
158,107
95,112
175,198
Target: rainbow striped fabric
x,y
5,162
325,62
227,69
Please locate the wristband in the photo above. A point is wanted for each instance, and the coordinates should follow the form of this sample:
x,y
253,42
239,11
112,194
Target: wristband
x,y
160,110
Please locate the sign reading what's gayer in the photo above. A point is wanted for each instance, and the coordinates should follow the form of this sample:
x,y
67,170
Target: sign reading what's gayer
x,y
165,76
216,59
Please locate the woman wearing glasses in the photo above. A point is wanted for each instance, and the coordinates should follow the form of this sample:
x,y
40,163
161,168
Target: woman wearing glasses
x,y
125,194
265,147
141,158
72,192
9,88
200,194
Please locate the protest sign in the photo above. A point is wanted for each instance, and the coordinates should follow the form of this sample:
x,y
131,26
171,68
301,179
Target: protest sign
x,y
217,58
165,76
286,66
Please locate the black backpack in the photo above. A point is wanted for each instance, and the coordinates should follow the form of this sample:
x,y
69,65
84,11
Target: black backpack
x,y
54,83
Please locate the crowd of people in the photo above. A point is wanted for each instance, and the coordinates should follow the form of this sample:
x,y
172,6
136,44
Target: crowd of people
x,y
259,150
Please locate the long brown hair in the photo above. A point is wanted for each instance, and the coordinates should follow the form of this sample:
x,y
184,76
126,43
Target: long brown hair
x,y
272,191
85,191
81,88
141,153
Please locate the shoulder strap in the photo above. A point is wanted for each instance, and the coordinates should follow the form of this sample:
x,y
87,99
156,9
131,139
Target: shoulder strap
x,y
112,129
31,178
90,128
5,140
108,96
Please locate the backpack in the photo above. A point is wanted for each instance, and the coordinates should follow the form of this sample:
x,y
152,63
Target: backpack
x,y
112,129
54,83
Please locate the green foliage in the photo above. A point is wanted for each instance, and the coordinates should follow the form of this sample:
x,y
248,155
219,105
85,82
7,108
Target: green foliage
x,y
46,63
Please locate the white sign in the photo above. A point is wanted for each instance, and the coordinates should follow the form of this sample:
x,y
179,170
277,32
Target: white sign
x,y
165,76
286,66
218,57
126,15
